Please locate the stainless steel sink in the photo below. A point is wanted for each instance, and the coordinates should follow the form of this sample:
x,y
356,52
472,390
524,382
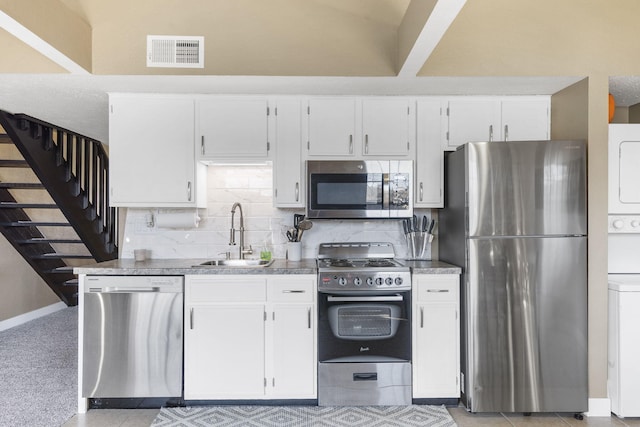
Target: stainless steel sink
x,y
236,263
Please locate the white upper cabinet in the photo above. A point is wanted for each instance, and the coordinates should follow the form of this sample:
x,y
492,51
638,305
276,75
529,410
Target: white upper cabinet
x,y
525,119
360,127
331,126
512,118
151,154
288,172
232,128
429,174
386,126
473,119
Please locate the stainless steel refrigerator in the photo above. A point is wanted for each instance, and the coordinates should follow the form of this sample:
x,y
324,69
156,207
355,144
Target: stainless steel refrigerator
x,y
515,219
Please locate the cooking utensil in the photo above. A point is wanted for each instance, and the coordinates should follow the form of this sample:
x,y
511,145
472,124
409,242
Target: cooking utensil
x,y
292,234
296,219
415,223
405,226
425,224
303,225
432,226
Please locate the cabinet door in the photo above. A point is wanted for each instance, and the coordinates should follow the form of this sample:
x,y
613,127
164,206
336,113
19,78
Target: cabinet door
x,y
288,182
385,127
224,351
473,119
331,126
436,336
525,119
232,128
436,359
294,352
429,155
151,155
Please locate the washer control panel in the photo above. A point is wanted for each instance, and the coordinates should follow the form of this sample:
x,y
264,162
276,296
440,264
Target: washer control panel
x,y
624,224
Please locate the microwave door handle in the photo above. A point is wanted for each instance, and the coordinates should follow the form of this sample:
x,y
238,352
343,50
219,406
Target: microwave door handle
x,y
389,298
385,191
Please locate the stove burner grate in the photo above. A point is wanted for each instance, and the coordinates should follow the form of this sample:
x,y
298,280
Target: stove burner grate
x,y
341,263
379,263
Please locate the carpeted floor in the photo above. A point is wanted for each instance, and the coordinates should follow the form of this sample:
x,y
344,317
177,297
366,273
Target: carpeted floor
x,y
39,371
305,416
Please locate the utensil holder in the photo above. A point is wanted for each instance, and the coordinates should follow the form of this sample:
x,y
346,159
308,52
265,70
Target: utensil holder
x,y
417,242
294,251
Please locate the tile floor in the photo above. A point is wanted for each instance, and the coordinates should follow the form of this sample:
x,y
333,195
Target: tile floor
x,y
144,417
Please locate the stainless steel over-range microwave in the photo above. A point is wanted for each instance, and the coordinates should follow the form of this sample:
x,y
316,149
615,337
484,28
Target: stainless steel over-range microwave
x,y
359,189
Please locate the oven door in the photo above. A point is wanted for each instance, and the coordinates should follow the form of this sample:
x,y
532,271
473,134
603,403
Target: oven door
x,y
364,328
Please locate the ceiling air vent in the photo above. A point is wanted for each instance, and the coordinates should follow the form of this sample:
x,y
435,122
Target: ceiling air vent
x,y
175,51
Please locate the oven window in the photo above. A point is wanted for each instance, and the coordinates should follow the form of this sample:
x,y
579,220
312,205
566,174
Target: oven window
x,y
355,321
347,191
364,322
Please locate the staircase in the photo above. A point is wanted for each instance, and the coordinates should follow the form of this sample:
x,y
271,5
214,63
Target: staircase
x,y
54,206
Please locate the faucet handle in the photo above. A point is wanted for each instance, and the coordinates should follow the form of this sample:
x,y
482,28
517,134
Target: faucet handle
x,y
227,255
247,251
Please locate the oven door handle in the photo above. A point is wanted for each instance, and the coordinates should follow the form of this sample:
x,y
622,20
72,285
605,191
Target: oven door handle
x,y
331,298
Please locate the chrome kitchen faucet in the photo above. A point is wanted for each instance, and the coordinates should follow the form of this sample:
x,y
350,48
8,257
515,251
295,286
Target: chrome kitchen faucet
x,y
242,251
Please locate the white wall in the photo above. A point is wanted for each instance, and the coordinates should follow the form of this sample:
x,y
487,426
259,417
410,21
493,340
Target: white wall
x,y
252,187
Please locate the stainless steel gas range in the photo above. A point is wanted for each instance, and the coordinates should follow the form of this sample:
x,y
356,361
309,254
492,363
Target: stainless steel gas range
x,y
364,325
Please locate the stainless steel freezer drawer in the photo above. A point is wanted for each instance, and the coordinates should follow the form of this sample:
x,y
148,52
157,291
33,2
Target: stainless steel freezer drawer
x,y
132,344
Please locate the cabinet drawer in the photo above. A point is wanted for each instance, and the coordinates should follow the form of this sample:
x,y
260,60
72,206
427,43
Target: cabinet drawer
x,y
291,289
228,289
444,288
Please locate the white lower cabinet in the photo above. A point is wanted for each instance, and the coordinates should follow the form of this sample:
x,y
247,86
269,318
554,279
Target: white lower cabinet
x,y
250,337
436,336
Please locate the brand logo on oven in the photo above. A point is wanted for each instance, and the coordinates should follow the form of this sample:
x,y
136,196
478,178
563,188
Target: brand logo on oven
x,y
364,349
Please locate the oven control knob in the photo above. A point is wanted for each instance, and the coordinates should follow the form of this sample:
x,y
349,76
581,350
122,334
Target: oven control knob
x,y
398,281
379,281
635,223
370,281
342,281
618,224
389,281
357,281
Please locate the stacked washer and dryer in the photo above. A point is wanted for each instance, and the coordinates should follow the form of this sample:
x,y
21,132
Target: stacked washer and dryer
x,y
624,269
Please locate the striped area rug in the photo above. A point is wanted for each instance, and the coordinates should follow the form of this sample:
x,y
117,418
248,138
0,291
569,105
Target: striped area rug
x,y
304,416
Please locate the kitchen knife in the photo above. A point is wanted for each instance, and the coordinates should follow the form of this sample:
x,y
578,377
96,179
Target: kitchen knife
x,y
432,226
425,225
405,226
415,223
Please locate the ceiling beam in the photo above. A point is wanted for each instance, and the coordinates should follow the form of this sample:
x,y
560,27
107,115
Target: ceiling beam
x,y
422,27
52,30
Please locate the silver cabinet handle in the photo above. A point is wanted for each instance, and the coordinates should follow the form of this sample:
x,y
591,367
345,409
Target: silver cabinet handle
x,y
490,133
421,191
366,144
293,291
297,191
437,290
308,318
331,298
350,144
506,132
422,317
191,317
189,191
202,145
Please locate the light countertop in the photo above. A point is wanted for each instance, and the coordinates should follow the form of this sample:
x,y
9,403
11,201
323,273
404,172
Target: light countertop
x,y
191,266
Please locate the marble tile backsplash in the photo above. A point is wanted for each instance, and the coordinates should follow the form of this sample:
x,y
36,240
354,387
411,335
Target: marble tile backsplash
x,y
252,187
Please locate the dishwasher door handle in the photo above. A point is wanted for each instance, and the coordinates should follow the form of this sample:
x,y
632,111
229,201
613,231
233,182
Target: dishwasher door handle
x,y
116,290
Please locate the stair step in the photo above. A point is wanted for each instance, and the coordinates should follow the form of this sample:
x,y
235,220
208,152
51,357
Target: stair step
x,y
72,282
55,255
60,270
34,224
14,205
22,185
37,240
13,163
4,139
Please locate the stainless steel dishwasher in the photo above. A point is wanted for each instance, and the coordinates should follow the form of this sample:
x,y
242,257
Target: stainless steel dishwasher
x,y
132,336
